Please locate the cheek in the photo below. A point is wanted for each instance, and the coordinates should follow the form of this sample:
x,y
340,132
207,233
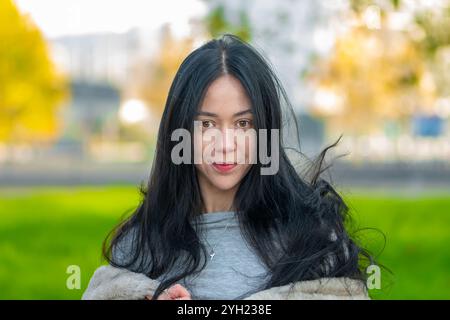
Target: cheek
x,y
247,151
204,147
198,151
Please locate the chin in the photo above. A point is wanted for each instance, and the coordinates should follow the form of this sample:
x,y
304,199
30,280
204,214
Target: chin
x,y
224,184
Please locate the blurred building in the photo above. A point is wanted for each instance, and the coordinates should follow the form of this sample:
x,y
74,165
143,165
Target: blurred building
x,y
103,57
99,67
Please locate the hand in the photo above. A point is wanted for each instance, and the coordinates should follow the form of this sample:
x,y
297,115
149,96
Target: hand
x,y
175,292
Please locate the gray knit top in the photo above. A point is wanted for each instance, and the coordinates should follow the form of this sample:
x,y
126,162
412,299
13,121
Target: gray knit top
x,y
234,272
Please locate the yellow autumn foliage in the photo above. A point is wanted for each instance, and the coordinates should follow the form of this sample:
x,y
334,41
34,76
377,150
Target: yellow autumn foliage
x,y
31,89
379,75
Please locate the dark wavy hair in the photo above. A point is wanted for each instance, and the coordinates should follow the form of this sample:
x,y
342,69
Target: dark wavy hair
x,y
295,222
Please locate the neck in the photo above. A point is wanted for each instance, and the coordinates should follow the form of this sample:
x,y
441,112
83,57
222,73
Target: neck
x,y
214,199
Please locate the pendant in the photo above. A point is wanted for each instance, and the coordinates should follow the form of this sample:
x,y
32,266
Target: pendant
x,y
212,254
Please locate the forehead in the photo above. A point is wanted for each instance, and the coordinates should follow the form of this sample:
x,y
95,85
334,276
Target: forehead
x,y
225,97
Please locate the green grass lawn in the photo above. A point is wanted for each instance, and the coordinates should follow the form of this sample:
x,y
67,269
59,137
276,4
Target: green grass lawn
x,y
44,230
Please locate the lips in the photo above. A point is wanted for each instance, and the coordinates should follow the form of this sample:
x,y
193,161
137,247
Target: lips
x,y
224,167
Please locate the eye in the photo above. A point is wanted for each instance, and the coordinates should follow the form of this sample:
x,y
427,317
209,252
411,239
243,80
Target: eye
x,y
207,124
244,123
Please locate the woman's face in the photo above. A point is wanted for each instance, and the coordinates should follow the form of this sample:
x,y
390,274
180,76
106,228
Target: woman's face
x,y
225,106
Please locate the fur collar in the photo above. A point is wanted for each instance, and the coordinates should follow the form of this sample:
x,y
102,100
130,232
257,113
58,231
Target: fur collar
x,y
110,283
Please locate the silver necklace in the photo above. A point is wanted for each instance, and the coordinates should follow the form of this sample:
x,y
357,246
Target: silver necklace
x,y
212,253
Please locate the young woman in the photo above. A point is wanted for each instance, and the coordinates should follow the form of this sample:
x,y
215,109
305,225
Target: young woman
x,y
226,229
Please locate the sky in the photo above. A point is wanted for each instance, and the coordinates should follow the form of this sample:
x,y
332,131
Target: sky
x,y
69,17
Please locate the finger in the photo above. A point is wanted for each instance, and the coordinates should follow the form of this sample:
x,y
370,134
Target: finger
x,y
184,297
164,296
178,290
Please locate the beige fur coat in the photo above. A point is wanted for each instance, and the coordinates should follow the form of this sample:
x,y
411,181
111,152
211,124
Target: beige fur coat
x,y
110,283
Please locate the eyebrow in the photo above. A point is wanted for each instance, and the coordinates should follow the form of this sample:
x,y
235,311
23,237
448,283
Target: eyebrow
x,y
210,114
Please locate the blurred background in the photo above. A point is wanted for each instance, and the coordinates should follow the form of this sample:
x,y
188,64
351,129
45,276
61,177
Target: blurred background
x,y
83,86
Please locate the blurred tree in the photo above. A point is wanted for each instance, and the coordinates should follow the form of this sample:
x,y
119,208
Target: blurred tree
x,y
151,78
217,24
372,76
31,90
429,30
435,44
378,73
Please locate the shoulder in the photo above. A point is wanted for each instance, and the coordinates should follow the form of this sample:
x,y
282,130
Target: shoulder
x,y
110,283
342,288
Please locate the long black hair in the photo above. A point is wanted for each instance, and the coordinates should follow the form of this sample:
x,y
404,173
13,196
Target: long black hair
x,y
295,222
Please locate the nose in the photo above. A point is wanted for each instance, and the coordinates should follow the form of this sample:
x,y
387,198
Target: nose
x,y
226,145
228,140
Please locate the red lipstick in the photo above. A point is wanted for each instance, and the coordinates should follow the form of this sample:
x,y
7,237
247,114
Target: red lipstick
x,y
224,167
